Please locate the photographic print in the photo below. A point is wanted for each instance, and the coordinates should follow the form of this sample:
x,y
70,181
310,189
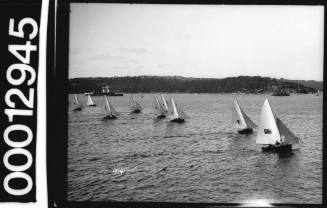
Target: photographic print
x,y
195,103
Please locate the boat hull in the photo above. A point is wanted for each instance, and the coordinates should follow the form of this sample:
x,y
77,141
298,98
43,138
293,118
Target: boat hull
x,y
92,105
177,120
136,111
110,117
245,131
284,148
77,109
161,116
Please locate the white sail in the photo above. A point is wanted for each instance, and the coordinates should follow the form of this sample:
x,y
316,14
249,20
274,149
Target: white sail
x,y
237,116
286,135
268,132
170,108
110,109
134,105
89,100
181,113
173,111
164,104
249,123
77,103
157,107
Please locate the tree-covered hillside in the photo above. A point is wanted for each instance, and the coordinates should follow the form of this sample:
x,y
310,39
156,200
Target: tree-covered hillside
x,y
147,84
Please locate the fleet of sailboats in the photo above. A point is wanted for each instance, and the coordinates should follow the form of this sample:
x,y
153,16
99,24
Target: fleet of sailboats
x,y
272,132
241,121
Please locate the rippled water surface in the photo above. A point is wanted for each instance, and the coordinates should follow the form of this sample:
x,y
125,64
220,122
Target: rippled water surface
x,y
201,160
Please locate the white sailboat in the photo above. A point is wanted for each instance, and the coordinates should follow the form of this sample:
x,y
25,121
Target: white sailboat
x,y
176,113
77,104
241,121
111,112
90,101
273,132
134,105
158,108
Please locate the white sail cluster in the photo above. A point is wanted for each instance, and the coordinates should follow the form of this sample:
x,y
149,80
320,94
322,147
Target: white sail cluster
x,y
272,130
160,107
168,108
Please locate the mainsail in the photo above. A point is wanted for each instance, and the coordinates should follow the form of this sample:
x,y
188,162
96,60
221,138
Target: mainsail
x,y
164,104
109,108
268,132
77,103
286,135
134,105
89,100
237,116
240,119
175,111
157,107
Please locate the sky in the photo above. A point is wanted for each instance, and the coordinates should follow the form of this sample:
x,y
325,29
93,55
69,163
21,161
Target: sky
x,y
207,41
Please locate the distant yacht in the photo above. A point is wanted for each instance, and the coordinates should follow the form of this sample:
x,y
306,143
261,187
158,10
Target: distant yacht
x,y
158,108
77,104
273,132
111,112
90,101
176,113
134,105
241,121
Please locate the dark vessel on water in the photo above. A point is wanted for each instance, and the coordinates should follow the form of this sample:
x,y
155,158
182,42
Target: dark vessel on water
x,y
281,93
105,91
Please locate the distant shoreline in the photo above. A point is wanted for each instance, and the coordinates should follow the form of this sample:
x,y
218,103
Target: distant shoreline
x,y
177,84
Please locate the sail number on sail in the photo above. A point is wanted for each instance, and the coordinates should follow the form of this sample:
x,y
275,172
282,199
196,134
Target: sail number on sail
x,y
19,100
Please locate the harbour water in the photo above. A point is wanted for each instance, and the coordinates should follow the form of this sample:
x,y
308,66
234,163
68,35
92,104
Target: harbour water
x,y
138,157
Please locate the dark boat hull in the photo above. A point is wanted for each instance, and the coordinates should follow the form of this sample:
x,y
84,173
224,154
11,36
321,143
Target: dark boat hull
x,y
161,116
92,105
110,117
77,109
245,131
283,148
136,111
177,120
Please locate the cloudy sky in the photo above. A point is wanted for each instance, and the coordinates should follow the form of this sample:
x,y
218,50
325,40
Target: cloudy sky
x,y
196,40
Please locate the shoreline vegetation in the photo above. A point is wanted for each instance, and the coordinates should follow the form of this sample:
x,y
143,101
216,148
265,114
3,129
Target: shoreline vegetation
x,y
178,84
